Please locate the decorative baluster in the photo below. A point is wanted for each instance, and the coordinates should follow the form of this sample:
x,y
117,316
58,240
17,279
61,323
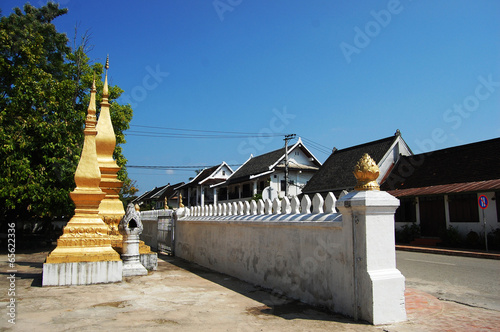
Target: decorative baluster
x,y
261,207
253,208
318,202
285,206
276,206
224,209
240,208
246,208
330,202
229,210
295,205
305,205
234,209
268,206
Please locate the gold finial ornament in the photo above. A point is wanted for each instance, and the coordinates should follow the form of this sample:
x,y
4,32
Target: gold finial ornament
x,y
105,92
366,172
85,238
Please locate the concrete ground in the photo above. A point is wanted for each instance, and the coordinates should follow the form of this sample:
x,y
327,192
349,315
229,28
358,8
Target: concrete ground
x,y
185,297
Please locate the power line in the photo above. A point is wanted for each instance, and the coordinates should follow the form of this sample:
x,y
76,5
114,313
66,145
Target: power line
x,y
177,167
174,135
319,147
208,131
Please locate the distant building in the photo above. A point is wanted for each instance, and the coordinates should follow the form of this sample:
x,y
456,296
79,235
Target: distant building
x,y
155,199
336,174
198,191
268,170
441,188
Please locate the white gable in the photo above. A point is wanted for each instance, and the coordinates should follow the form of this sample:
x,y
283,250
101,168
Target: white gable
x,y
297,156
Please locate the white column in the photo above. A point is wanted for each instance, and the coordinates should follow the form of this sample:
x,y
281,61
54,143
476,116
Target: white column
x,y
215,196
378,286
197,195
254,188
202,196
447,211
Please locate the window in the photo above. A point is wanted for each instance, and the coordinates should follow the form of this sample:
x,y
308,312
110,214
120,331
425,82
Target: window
x,y
463,208
282,185
246,192
406,211
223,173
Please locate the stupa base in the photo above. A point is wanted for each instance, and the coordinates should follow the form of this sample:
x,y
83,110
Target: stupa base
x,y
149,261
81,273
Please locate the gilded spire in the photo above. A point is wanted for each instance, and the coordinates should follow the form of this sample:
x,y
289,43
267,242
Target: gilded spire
x,y
366,172
105,92
87,173
111,208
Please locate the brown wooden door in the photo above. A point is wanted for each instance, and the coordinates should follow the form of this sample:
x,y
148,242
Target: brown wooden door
x,y
432,216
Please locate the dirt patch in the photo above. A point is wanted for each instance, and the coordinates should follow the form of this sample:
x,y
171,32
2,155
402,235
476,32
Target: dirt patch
x,y
116,304
165,321
257,311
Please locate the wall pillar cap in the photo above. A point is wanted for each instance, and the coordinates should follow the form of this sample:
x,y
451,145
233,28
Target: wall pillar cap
x,y
368,198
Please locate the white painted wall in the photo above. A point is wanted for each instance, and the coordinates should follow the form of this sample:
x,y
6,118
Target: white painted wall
x,y
343,262
298,156
223,173
490,213
391,157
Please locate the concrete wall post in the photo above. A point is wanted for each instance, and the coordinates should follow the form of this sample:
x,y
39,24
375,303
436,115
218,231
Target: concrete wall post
x,y
378,285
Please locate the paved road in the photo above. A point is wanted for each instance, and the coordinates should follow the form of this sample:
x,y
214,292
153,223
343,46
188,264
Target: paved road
x,y
472,281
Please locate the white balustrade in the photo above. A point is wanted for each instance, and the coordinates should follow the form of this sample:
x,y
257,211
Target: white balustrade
x,y
276,206
305,205
286,208
317,203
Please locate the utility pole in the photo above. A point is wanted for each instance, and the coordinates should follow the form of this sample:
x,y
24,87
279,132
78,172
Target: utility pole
x,y
286,139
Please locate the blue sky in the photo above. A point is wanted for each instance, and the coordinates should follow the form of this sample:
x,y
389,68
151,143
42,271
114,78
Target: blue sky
x,y
338,73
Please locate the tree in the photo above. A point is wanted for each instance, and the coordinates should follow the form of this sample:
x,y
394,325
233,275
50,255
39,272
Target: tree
x,y
44,94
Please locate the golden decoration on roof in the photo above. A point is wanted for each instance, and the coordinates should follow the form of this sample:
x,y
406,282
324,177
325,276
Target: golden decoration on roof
x,y
366,172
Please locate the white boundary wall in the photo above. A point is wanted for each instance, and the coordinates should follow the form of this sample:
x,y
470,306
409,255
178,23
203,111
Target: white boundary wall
x,y
345,262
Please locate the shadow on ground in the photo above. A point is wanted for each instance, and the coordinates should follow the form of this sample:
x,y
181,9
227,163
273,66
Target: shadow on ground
x,y
273,303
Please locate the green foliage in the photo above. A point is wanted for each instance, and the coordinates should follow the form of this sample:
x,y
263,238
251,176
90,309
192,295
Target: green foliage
x,y
494,239
256,197
44,95
407,233
474,241
452,238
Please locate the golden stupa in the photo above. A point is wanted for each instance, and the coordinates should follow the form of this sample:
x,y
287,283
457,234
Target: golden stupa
x,y
85,238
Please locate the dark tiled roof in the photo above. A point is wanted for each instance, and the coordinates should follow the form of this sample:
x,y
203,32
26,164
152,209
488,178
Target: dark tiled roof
x,y
256,165
473,162
336,173
200,177
487,185
166,191
151,193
